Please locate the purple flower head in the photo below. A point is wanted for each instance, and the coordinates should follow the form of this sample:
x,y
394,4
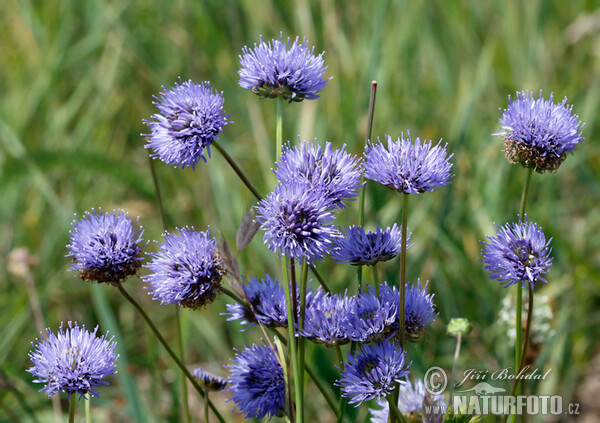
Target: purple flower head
x,y
268,299
410,400
518,253
325,314
275,68
373,371
73,361
296,222
257,383
210,381
359,247
419,309
335,173
368,317
187,270
538,134
105,247
407,167
190,118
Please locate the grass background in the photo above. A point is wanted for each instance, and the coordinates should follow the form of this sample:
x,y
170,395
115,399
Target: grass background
x,y
77,77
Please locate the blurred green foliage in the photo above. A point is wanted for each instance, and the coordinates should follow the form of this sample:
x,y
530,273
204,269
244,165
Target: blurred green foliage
x,y
77,77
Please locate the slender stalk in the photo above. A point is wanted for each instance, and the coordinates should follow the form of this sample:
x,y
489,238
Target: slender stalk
x,y
292,341
343,400
206,407
161,210
518,324
375,278
72,401
452,375
394,411
319,278
402,286
237,170
278,130
88,415
361,200
162,340
302,340
184,388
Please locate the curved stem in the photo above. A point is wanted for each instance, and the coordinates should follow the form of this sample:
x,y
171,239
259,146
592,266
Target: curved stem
x,y
456,354
184,388
162,340
159,201
206,407
343,400
319,278
394,409
237,170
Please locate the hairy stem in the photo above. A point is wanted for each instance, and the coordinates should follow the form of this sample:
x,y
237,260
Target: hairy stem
x,y
237,170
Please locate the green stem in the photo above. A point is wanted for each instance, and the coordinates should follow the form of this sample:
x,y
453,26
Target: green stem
x,y
159,201
456,354
237,170
375,278
343,400
402,286
302,340
319,278
184,388
72,401
518,324
162,340
206,407
278,130
394,411
363,191
88,415
292,340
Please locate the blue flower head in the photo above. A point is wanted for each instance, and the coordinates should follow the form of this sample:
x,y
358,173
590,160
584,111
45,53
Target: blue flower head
x,y
335,173
276,68
187,270
268,300
369,317
210,381
373,371
359,247
518,253
73,360
538,134
105,247
297,222
190,118
323,321
410,168
257,383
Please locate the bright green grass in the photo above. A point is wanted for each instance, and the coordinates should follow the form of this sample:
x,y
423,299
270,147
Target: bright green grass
x,y
77,78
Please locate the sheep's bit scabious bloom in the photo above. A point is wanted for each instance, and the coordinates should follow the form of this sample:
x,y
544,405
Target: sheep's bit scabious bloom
x,y
276,68
105,247
538,134
73,360
518,253
190,118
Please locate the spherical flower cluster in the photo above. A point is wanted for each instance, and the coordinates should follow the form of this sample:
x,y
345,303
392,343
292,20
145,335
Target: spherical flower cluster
x,y
373,371
518,253
538,134
406,167
73,361
257,383
210,381
359,247
368,317
105,247
276,68
324,319
187,270
268,301
335,173
297,222
190,118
